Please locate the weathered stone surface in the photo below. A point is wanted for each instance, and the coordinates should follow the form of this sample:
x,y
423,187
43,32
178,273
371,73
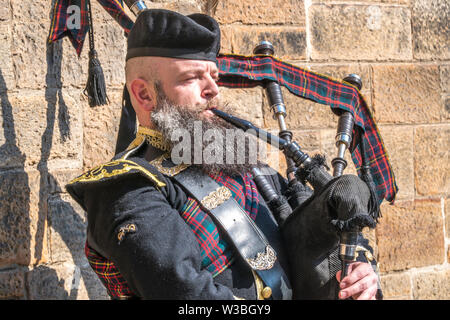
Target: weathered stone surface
x,y
46,127
226,35
410,234
433,285
445,78
5,10
181,6
57,179
360,32
7,80
67,225
12,284
36,11
301,113
367,1
407,94
101,125
10,154
288,42
396,286
430,29
63,281
23,215
277,161
245,103
447,219
370,235
308,140
29,54
261,12
399,145
50,282
448,253
431,159
446,102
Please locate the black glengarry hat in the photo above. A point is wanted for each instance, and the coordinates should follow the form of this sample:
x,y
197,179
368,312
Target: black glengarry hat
x,y
164,33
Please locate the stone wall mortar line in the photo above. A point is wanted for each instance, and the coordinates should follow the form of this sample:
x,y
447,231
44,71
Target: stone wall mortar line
x,y
361,3
308,4
446,240
436,61
414,195
406,125
372,63
418,270
268,25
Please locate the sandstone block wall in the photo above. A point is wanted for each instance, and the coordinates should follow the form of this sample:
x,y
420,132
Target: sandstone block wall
x,y
49,134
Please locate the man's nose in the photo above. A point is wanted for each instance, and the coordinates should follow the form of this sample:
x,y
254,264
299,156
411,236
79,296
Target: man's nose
x,y
210,90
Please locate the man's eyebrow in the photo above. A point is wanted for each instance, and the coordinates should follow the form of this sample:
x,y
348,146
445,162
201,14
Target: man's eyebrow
x,y
198,70
193,70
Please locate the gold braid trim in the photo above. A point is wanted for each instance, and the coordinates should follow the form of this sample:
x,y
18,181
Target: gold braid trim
x,y
153,137
170,171
115,168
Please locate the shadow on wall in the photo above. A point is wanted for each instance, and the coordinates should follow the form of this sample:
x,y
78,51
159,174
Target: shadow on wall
x,y
23,225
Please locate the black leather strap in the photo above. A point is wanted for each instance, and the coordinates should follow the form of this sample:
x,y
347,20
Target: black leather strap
x,y
244,234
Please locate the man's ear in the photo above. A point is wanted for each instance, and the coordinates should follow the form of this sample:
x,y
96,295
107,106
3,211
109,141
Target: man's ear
x,y
143,93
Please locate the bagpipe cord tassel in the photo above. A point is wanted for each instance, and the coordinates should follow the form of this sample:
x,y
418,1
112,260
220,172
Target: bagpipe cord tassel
x,y
95,87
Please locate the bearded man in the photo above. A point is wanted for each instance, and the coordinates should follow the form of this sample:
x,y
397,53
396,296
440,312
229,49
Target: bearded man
x,y
161,229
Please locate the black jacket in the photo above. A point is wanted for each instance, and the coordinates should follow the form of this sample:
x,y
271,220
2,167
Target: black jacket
x,y
161,258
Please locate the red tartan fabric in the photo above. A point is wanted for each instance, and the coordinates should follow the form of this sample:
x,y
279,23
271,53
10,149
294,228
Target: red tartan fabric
x,y
65,14
115,9
75,12
108,273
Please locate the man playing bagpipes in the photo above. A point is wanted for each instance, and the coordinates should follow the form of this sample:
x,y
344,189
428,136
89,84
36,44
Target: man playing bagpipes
x,y
161,229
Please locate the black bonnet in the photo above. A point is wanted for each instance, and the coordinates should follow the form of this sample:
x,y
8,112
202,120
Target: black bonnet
x,y
164,33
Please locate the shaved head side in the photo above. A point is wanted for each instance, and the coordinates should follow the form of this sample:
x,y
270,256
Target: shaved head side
x,y
141,67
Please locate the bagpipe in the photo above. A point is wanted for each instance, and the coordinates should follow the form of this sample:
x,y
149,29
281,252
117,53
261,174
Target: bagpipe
x,y
314,223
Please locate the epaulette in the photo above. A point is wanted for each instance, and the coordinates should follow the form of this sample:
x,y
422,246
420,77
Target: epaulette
x,y
119,166
113,169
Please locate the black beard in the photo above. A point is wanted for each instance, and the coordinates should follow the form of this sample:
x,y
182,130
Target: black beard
x,y
169,118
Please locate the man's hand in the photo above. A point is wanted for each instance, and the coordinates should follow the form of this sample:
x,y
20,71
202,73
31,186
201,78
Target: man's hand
x,y
360,282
